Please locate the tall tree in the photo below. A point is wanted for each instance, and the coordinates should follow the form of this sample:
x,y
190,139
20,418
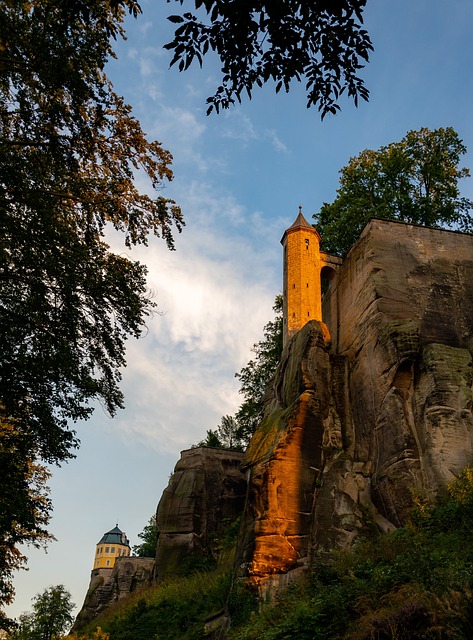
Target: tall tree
x,y
414,180
50,618
322,42
70,149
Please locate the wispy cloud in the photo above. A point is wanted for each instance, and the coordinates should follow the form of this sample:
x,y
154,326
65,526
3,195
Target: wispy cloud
x,y
238,126
216,293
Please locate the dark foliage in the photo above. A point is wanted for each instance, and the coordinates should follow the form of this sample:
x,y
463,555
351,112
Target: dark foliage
x,y
69,151
321,42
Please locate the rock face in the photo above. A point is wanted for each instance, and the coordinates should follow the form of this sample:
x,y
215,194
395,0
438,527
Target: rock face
x,y
110,585
378,406
205,493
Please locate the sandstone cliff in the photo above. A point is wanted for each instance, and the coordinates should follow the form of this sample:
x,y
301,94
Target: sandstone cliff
x,y
367,408
206,491
375,408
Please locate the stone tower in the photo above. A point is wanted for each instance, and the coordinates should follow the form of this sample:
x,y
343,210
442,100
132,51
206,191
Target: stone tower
x,y
302,267
111,546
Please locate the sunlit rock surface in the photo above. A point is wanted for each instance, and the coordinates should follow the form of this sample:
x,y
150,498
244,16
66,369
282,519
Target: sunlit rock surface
x,y
353,428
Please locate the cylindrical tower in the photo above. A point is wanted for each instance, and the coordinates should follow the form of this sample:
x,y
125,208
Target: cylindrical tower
x,y
111,546
302,267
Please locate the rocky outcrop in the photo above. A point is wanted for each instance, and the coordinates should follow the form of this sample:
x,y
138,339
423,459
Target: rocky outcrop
x,y
110,585
375,408
205,494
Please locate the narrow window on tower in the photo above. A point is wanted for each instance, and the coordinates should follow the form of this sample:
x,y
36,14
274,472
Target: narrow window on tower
x,y
307,243
293,286
307,285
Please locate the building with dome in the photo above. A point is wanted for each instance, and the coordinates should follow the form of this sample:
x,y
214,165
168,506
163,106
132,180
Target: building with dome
x,y
111,546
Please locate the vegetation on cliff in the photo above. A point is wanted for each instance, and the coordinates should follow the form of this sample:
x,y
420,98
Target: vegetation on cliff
x,y
149,538
414,583
414,180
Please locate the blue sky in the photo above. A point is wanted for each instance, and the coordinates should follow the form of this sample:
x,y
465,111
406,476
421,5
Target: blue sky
x,y
239,178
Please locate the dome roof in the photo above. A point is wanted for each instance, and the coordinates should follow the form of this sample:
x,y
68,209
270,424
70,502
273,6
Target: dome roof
x,y
114,536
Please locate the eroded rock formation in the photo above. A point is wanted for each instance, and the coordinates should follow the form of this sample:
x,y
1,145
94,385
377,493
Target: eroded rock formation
x,y
110,585
378,407
206,491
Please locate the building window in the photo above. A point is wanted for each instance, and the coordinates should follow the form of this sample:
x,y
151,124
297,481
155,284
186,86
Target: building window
x,y
98,551
112,550
307,285
307,243
107,549
293,286
108,563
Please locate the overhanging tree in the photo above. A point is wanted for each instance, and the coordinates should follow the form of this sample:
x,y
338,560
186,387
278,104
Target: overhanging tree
x,y
70,149
322,42
414,180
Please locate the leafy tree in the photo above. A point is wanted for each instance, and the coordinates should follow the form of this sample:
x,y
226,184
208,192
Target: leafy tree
x,y
70,149
322,42
414,180
211,440
149,537
50,618
255,376
228,433
25,508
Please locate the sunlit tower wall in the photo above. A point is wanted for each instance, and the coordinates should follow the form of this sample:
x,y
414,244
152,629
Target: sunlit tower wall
x,y
302,292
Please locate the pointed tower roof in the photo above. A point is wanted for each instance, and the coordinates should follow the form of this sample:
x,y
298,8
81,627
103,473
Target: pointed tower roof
x,y
114,536
299,222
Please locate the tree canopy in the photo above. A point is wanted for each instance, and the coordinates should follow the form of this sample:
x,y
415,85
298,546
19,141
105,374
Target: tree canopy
x,y
70,150
256,375
414,180
50,618
322,42
149,538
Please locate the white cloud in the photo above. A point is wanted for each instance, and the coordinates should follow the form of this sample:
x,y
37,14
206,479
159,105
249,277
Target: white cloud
x,y
216,292
238,126
276,141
